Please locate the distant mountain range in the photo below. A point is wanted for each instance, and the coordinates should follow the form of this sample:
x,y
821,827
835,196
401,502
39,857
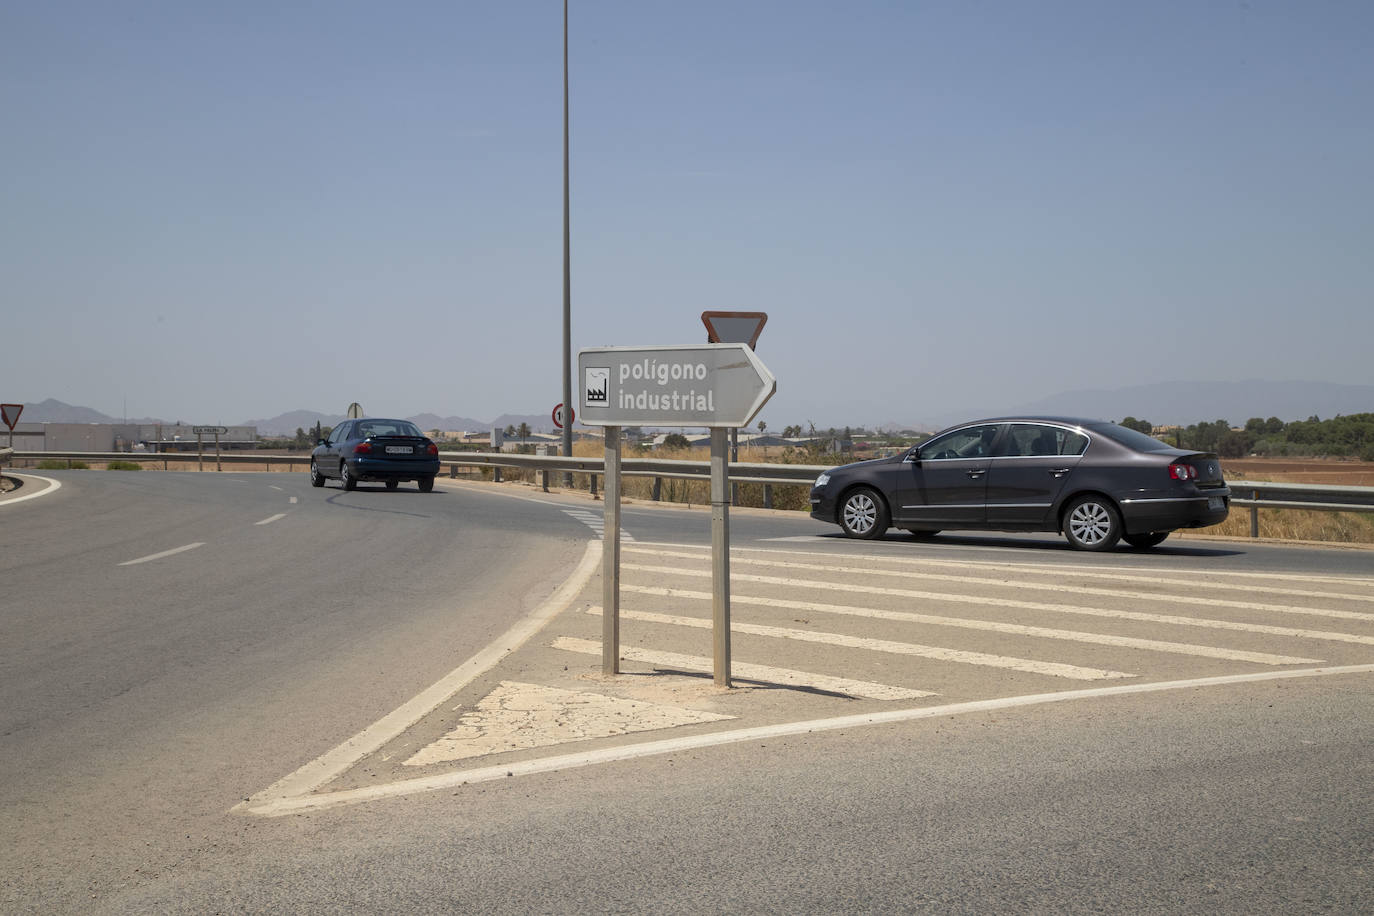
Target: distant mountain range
x,y
1185,403
54,411
1162,403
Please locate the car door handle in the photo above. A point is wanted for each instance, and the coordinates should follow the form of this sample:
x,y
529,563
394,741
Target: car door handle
x,y
1060,472
977,473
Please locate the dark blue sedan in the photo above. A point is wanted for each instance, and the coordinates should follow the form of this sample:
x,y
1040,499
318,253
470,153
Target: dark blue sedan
x,y
373,448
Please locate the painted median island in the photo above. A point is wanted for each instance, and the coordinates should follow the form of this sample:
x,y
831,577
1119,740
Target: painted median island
x,y
718,386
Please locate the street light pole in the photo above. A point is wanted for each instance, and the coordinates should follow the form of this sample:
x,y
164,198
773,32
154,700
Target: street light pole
x,y
567,270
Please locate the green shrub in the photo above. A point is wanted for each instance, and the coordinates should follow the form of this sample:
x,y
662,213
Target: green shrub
x,y
56,464
124,466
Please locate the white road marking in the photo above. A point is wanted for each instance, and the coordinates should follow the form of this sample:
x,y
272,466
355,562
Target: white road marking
x,y
272,486
165,553
454,780
329,765
597,523
767,673
293,500
271,518
1173,598
959,656
1105,571
518,716
52,487
1204,622
1126,642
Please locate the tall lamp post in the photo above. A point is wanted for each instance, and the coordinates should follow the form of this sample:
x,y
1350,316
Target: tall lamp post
x,y
567,271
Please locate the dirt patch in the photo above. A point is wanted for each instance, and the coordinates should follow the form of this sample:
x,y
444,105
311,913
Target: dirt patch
x,y
1327,472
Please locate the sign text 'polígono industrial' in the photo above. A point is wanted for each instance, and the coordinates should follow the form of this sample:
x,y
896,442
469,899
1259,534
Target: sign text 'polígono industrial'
x,y
712,385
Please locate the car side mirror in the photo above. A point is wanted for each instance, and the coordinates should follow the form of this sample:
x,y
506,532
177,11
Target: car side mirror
x,y
321,441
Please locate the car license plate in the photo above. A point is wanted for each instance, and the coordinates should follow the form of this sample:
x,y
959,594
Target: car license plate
x,y
1215,502
399,450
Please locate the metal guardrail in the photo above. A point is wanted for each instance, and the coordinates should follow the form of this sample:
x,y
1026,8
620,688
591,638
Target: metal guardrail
x,y
1245,494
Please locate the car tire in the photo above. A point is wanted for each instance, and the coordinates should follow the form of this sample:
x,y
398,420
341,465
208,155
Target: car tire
x,y
392,484
316,478
863,514
1092,523
346,476
1145,541
426,484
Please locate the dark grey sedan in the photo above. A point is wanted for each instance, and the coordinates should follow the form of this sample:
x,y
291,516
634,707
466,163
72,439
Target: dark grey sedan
x,y
1097,482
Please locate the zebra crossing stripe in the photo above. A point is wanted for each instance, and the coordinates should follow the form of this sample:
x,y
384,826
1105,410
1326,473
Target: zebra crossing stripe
x,y
959,656
1040,586
595,522
1125,642
750,672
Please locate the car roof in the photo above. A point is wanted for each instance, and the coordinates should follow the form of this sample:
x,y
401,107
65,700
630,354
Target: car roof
x,y
1063,421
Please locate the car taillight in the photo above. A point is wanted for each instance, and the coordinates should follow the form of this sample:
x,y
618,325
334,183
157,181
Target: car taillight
x,y
1182,472
365,448
432,449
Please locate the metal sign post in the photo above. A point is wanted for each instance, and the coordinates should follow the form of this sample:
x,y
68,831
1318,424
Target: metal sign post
x,y
719,386
202,431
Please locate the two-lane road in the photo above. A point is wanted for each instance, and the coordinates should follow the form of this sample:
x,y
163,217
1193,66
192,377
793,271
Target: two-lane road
x,y
177,644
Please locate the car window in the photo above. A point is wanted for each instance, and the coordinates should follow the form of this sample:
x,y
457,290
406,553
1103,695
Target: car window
x,y
340,432
969,442
1032,440
1131,438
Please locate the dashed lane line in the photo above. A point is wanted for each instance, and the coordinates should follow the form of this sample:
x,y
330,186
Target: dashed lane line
x,y
1174,598
1101,639
271,518
766,673
1144,617
958,656
165,553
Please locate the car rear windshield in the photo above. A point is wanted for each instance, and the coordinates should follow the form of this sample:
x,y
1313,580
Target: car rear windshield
x,y
388,428
1130,438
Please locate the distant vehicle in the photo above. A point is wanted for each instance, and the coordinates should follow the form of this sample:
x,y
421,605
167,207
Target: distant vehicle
x,y
372,448
1097,482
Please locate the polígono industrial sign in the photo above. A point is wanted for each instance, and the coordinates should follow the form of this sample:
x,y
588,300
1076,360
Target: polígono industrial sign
x,y
710,385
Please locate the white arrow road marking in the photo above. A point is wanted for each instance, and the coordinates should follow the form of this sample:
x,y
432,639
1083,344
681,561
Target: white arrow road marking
x,y
1125,642
766,673
517,716
959,656
165,553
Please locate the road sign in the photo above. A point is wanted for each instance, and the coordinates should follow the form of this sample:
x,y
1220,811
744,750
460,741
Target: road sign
x,y
209,430
355,410
734,327
713,385
11,413
558,416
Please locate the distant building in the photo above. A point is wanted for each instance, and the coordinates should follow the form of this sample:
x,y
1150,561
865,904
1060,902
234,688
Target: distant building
x,y
125,437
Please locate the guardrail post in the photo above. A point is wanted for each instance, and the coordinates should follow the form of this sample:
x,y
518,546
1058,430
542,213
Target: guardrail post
x,y
1254,515
768,496
658,489
544,479
496,474
593,486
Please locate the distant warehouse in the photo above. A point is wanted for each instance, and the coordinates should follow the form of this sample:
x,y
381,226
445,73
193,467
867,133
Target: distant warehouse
x,y
125,437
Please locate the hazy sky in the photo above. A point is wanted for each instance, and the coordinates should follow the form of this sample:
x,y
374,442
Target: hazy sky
x,y
221,211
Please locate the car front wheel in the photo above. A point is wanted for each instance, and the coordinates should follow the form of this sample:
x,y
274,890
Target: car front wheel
x,y
863,514
1092,523
316,478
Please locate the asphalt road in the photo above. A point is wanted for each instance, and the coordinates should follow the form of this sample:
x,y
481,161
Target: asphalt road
x,y
155,691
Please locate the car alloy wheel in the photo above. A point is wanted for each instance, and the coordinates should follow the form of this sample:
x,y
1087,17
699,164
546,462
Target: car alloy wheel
x,y
863,514
1092,523
316,478
349,482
